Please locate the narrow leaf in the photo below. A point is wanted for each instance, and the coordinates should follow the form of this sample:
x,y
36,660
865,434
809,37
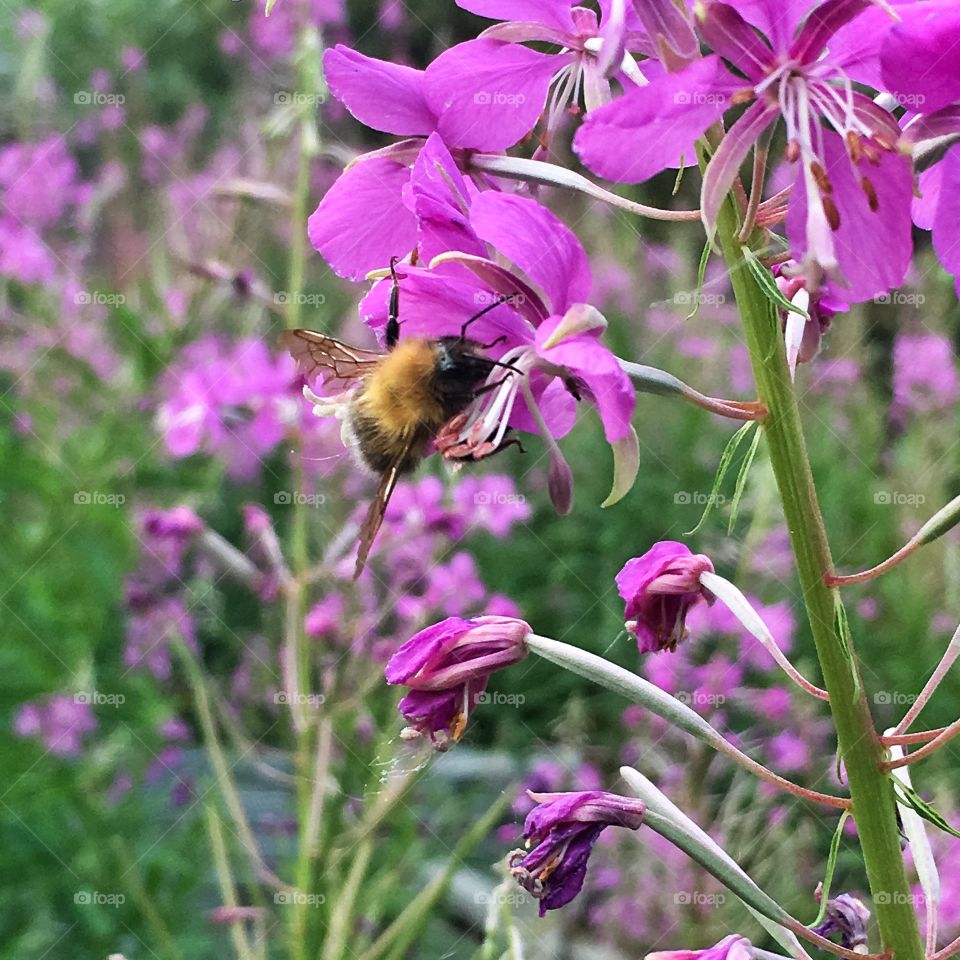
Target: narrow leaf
x,y
910,798
742,480
768,285
728,453
701,274
831,866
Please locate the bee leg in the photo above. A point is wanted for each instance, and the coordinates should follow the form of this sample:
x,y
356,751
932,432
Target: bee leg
x,y
393,311
493,343
487,387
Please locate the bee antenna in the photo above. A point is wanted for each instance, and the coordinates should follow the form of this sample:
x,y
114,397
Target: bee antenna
x,y
501,298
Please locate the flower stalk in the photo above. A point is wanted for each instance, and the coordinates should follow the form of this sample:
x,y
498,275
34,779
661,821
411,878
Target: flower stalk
x,y
870,788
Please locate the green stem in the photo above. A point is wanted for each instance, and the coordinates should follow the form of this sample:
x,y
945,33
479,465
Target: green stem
x,y
870,788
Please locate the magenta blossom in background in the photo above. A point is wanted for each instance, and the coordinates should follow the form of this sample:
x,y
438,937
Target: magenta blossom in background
x,y
446,668
849,210
564,827
733,947
924,374
60,721
659,589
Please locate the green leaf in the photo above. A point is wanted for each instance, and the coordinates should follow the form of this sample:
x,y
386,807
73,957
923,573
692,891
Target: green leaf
x,y
831,866
768,286
844,637
701,273
728,453
742,480
910,798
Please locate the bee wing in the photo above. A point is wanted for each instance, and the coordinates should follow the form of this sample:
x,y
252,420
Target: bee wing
x,y
374,518
324,357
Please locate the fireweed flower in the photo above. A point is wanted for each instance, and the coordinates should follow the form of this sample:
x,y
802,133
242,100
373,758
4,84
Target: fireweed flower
x,y
564,828
591,51
849,210
660,588
446,668
60,721
550,340
363,220
733,947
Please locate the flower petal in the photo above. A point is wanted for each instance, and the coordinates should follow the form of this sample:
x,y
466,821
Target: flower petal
x,y
586,357
382,95
537,242
654,127
945,240
441,200
555,13
362,222
777,19
436,304
733,38
920,57
669,28
488,94
726,162
872,247
422,647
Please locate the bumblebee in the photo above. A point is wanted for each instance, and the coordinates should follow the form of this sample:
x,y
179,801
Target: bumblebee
x,y
404,398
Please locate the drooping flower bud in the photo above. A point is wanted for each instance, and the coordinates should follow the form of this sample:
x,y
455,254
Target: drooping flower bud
x,y
659,589
564,828
733,947
447,667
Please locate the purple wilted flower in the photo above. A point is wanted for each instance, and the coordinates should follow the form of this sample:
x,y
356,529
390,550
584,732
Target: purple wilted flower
x,y
733,947
447,667
564,827
849,210
659,589
550,340
848,917
60,721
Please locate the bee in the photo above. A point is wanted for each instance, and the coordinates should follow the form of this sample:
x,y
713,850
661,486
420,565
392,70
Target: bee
x,y
405,396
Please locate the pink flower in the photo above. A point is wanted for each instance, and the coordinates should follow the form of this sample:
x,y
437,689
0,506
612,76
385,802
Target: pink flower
x,y
733,947
447,666
60,721
564,827
659,589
